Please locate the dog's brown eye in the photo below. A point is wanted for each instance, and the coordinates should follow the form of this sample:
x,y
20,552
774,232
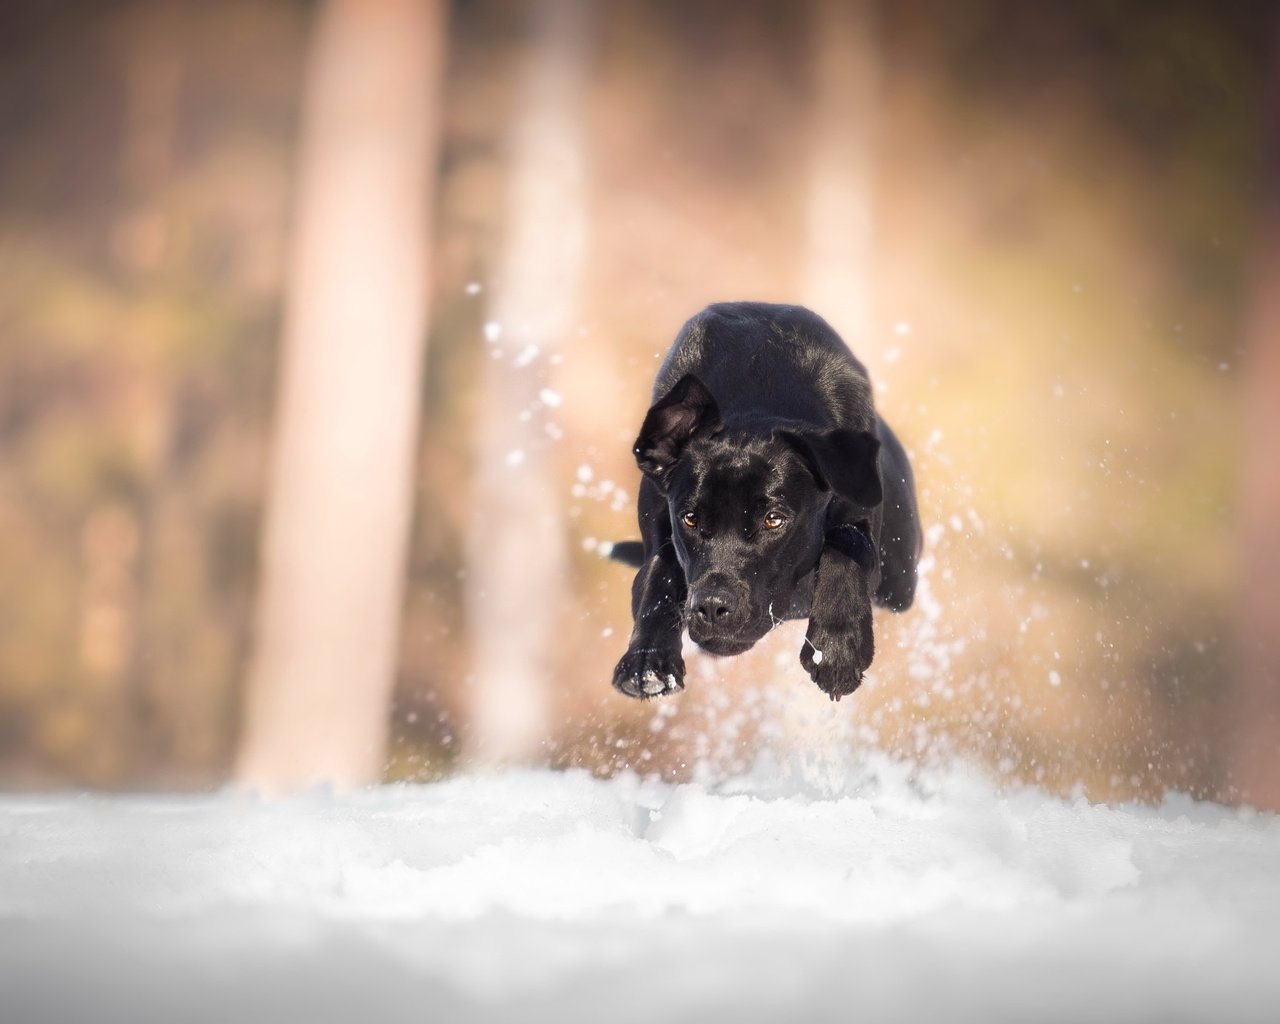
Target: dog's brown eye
x,y
774,520
689,520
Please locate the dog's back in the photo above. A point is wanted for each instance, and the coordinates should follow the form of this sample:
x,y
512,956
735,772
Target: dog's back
x,y
781,362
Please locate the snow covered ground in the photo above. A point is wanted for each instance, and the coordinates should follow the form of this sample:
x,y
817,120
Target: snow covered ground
x,y
864,894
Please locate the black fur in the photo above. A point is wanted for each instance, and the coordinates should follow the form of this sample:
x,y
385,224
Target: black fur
x,y
771,491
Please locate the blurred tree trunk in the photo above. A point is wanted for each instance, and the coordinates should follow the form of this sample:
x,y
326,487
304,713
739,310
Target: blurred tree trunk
x,y
339,495
516,564
1253,734
844,42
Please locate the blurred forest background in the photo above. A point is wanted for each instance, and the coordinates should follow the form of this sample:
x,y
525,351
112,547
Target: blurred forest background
x,y
1043,227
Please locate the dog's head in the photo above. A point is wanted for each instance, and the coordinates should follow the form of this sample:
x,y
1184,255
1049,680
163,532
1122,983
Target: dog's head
x,y
748,508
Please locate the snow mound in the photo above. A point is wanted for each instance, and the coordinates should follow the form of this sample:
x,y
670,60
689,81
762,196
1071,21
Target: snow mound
x,y
556,896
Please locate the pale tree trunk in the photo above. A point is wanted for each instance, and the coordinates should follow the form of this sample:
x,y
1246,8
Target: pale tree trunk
x,y
844,49
340,494
1252,740
842,122
516,561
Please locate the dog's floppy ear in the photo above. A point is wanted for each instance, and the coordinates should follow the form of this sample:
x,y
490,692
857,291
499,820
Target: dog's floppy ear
x,y
685,410
844,461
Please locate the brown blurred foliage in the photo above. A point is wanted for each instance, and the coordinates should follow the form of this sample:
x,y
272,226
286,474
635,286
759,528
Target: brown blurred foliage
x,y
1062,207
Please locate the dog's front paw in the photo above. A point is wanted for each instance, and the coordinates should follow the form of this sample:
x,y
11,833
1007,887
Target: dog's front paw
x,y
836,659
646,672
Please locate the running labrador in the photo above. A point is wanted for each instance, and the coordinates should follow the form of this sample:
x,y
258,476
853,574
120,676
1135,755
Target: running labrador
x,y
771,491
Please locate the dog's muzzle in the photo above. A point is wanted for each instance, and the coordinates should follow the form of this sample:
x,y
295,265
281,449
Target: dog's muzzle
x,y
719,617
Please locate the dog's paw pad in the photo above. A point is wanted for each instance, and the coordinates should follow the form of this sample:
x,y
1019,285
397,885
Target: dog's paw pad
x,y
654,685
649,673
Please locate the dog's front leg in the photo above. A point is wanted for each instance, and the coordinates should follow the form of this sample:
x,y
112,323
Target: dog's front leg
x,y
652,666
839,644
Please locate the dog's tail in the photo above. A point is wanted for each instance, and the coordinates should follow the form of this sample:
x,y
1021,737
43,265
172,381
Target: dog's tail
x,y
628,552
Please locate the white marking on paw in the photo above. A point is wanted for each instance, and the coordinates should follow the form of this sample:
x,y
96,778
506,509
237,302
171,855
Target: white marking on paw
x,y
817,654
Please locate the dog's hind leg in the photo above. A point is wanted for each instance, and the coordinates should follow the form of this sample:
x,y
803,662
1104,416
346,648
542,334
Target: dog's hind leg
x,y
900,537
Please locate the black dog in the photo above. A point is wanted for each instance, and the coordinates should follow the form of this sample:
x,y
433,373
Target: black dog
x,y
771,491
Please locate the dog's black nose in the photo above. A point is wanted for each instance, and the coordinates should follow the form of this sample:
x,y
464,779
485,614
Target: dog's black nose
x,y
713,607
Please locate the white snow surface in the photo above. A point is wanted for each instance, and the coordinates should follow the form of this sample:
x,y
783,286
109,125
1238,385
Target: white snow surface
x,y
868,893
